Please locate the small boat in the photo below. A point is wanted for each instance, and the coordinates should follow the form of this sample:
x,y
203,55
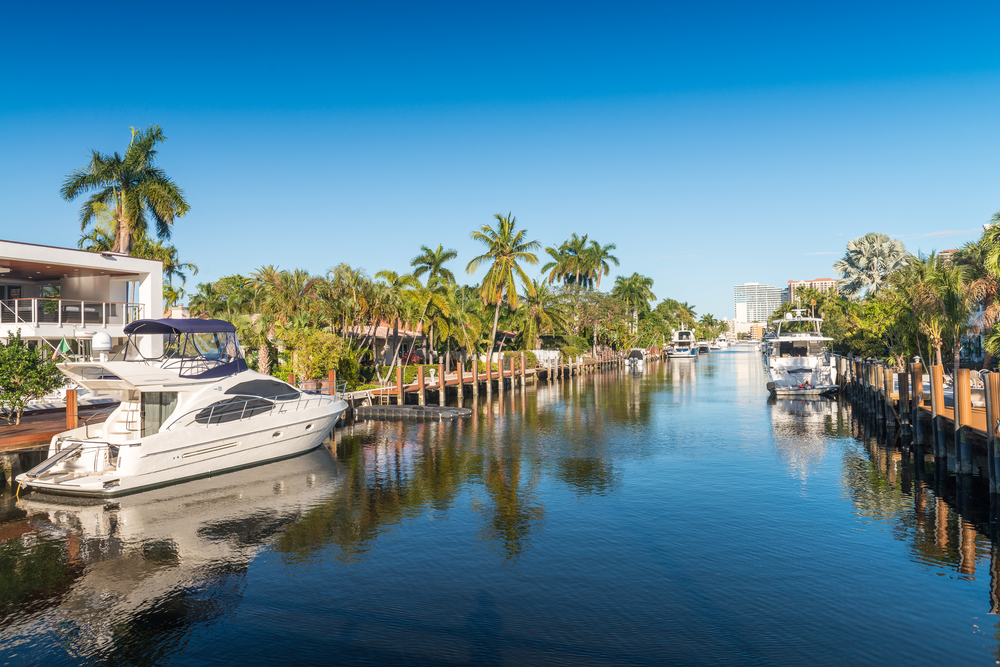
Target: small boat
x,y
190,408
797,358
636,359
703,347
682,345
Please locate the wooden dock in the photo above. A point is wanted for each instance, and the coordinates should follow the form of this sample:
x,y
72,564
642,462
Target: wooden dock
x,y
958,423
38,429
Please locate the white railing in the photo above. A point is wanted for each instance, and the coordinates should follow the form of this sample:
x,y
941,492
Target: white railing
x,y
237,411
71,312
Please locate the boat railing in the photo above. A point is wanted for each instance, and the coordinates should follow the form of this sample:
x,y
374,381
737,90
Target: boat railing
x,y
235,411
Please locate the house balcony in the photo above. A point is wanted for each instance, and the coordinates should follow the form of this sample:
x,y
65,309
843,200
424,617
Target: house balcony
x,y
44,314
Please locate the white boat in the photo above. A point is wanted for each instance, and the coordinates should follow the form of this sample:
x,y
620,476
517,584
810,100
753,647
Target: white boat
x,y
703,347
636,359
682,345
722,342
189,408
797,358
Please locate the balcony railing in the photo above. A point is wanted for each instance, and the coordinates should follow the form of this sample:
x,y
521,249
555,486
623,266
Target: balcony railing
x,y
70,312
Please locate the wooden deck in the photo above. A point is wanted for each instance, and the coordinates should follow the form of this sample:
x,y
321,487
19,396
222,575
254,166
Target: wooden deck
x,y
38,429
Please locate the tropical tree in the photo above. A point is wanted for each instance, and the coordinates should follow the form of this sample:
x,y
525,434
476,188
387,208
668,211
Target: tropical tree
x,y
539,311
432,263
868,262
506,250
132,186
636,292
600,259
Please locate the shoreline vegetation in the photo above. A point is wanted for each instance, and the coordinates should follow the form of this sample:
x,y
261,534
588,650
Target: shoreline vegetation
x,y
889,304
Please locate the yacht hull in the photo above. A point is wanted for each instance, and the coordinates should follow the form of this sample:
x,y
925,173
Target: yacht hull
x,y
174,457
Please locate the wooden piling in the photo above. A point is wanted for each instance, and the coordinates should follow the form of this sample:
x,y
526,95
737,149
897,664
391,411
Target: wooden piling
x,y
991,386
400,395
489,375
291,379
475,380
523,371
441,385
937,406
903,380
72,410
421,386
963,419
461,379
917,400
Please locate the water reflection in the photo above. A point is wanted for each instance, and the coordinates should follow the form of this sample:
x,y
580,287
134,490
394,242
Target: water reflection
x,y
803,429
563,523
126,580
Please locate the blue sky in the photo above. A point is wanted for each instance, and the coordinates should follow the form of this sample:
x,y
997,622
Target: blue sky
x,y
714,143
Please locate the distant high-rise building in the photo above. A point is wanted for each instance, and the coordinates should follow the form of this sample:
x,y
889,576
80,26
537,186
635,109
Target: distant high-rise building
x,y
819,284
755,302
945,255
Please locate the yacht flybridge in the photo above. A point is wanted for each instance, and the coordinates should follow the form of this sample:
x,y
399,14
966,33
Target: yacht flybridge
x,y
797,358
189,408
682,345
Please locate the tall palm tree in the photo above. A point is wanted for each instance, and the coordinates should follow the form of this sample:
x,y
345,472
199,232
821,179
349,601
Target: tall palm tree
x,y
868,262
545,310
636,292
432,262
601,259
132,186
506,250
982,261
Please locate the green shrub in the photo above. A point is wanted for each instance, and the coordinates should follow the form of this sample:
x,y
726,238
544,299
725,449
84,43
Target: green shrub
x,y
530,360
570,352
481,365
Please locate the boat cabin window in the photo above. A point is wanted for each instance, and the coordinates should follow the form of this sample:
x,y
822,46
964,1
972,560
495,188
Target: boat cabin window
x,y
264,389
233,409
155,408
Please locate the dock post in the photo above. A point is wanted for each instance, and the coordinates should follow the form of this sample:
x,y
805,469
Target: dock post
x,y
475,380
461,379
991,387
500,362
963,418
523,371
421,396
72,411
400,393
442,385
903,380
331,382
489,375
291,379
917,400
937,407
890,411
879,393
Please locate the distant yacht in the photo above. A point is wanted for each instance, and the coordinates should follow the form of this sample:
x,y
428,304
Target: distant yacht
x,y
190,408
682,345
797,358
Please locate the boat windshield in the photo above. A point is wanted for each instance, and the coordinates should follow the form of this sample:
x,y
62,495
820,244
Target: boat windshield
x,y
190,353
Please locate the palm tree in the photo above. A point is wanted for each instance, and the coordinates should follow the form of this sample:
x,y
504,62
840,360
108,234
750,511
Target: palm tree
x,y
869,260
545,310
432,262
636,292
601,258
982,261
132,186
506,249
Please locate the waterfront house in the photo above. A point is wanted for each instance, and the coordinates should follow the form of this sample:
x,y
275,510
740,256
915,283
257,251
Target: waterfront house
x,y
60,297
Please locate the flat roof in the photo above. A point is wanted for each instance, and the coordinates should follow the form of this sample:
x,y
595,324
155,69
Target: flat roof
x,y
35,262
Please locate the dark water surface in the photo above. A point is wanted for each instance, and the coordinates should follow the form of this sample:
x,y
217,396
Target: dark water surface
x,y
675,517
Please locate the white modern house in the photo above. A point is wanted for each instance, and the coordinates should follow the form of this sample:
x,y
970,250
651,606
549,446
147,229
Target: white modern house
x,y
60,297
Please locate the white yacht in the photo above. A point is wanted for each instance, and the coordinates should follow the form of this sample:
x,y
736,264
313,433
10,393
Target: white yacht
x,y
682,345
798,359
722,342
189,408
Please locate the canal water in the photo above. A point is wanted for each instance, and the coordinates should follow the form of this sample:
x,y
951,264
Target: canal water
x,y
676,516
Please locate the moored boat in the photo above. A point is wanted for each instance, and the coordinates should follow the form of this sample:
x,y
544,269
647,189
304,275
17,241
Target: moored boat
x,y
797,358
190,408
682,345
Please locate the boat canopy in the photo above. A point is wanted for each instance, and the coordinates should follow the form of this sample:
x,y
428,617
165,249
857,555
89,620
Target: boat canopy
x,y
177,326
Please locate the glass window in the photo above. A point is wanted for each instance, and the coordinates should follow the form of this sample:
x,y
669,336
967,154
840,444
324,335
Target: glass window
x,y
156,407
